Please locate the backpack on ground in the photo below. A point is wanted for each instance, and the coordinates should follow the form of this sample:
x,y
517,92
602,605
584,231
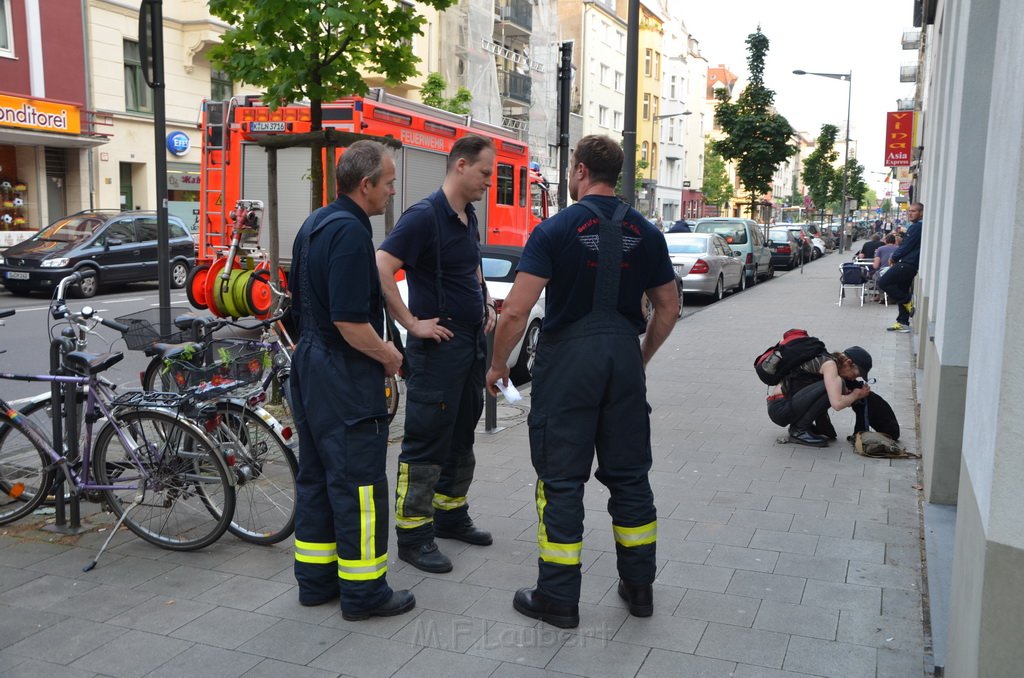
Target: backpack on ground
x,y
796,348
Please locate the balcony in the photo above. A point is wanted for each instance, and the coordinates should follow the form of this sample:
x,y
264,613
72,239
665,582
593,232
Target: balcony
x,y
911,39
514,87
908,73
515,16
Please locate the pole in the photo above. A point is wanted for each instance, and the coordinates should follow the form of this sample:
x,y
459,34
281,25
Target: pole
x,y
846,162
564,102
632,81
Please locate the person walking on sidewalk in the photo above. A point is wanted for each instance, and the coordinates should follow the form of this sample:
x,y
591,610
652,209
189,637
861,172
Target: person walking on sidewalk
x,y
437,242
596,259
341,508
898,281
802,400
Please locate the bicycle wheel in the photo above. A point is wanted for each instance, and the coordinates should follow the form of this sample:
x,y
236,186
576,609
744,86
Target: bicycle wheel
x,y
391,395
264,468
24,477
172,471
38,411
156,378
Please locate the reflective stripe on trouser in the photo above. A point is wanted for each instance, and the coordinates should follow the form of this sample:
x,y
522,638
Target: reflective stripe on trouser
x,y
589,397
444,401
341,487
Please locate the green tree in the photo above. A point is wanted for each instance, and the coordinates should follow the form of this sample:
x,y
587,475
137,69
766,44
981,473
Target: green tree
x,y
757,137
432,94
717,188
870,199
819,167
886,206
855,186
316,49
641,165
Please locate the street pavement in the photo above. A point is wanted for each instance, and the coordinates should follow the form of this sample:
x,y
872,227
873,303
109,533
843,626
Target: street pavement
x,y
774,560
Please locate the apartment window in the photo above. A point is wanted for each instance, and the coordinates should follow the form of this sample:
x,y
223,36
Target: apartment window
x,y
654,155
221,87
136,92
657,65
655,103
602,116
505,184
620,39
672,131
672,87
648,59
647,107
6,29
617,116
620,81
606,76
643,152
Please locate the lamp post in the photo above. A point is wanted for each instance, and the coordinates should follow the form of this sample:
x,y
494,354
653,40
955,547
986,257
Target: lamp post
x,y
848,77
651,176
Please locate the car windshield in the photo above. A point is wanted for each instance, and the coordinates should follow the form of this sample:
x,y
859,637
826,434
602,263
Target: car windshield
x,y
734,234
688,246
71,229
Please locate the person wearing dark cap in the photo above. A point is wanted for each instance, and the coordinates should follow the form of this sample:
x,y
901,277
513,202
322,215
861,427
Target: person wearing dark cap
x,y
802,400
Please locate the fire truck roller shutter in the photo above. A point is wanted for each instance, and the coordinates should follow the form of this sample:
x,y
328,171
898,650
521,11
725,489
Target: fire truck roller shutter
x,y
294,191
378,222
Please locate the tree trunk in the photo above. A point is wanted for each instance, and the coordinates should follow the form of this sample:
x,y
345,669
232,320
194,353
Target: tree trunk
x,y
316,166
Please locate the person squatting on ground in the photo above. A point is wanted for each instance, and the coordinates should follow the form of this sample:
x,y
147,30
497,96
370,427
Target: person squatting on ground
x,y
802,400
341,513
596,259
898,281
437,242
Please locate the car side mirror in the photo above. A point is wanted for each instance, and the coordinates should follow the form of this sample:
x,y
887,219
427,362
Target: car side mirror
x,y
771,243
112,242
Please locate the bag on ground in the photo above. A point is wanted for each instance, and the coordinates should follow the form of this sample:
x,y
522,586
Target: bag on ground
x,y
796,348
880,446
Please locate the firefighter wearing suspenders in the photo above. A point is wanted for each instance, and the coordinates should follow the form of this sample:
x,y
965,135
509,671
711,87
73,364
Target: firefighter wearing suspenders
x,y
596,260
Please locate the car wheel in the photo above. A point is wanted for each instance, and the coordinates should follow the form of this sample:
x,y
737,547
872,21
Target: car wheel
x,y
743,284
179,274
523,369
771,271
719,289
89,285
818,252
679,283
753,278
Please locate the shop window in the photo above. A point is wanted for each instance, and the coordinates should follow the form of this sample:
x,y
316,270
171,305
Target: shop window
x,y
221,87
136,91
6,29
506,181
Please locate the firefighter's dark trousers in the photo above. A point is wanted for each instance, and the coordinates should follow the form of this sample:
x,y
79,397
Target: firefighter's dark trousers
x,y
341,516
444,400
589,393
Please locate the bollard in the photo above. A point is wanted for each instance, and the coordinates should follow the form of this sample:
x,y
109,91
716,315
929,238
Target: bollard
x,y
63,416
490,402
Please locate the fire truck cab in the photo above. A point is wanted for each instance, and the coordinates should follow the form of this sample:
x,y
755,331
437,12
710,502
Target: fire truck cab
x,y
234,166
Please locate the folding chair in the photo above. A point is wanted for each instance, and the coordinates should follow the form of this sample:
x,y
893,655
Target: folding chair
x,y
873,286
852,275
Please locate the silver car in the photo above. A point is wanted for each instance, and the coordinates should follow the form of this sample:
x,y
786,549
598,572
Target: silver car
x,y
706,264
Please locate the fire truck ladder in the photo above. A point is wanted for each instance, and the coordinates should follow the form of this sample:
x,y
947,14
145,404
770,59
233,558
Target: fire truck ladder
x,y
214,145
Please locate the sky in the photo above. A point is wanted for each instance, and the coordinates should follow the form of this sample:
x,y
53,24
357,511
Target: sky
x,y
825,36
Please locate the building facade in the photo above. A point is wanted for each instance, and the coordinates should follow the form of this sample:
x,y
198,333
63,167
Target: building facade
x,y
46,126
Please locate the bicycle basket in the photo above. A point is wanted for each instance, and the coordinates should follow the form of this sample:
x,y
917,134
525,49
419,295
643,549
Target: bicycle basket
x,y
143,329
228,364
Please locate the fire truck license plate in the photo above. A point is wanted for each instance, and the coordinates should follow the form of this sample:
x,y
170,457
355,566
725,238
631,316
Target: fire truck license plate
x,y
266,126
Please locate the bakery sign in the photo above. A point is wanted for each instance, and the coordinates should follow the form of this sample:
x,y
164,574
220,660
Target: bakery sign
x,y
37,114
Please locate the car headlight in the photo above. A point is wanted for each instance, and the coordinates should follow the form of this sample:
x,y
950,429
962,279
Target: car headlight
x,y
55,263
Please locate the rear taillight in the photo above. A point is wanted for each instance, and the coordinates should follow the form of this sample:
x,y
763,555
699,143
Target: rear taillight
x,y
497,305
700,266
750,257
784,249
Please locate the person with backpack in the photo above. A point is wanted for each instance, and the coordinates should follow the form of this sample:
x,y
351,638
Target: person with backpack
x,y
803,396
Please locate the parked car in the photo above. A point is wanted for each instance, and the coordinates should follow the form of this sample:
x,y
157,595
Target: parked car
x,y
746,236
805,239
105,246
785,248
499,267
706,263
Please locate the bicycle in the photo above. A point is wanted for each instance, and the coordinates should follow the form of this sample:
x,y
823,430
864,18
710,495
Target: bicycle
x,y
159,473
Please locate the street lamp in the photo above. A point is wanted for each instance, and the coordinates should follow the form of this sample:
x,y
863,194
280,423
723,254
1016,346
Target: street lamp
x,y
651,178
848,77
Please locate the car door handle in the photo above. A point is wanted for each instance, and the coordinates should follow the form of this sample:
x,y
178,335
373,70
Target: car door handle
x,y
136,252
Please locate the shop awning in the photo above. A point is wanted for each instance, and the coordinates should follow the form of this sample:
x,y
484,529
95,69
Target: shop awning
x,y
21,137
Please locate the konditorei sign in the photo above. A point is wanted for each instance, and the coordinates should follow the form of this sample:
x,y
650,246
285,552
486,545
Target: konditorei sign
x,y
38,114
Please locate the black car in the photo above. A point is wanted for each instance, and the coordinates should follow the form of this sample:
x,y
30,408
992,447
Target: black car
x,y
106,246
785,248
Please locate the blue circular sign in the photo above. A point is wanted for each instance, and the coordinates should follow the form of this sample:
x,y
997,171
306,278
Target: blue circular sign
x,y
178,143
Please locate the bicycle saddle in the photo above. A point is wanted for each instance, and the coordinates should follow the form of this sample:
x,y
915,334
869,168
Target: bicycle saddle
x,y
91,363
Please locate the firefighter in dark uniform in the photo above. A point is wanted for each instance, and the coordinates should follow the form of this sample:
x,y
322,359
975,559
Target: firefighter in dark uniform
x,y
596,260
448,314
341,516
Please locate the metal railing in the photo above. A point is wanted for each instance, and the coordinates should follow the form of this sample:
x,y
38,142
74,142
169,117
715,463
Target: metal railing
x,y
514,86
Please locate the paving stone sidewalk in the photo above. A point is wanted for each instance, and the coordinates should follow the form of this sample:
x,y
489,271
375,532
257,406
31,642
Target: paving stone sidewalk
x,y
774,560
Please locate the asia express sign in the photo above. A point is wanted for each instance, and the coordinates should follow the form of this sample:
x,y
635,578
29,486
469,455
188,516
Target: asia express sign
x,y
37,114
899,138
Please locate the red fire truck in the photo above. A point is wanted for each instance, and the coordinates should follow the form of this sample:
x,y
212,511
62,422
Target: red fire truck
x,y
234,167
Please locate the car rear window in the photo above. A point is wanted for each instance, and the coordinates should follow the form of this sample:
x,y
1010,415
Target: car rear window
x,y
733,234
497,269
778,235
688,246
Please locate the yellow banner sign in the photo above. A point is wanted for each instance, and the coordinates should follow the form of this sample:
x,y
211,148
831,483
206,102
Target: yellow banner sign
x,y
48,116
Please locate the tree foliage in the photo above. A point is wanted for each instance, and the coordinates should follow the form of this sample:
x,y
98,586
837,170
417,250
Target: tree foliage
x,y
316,49
433,91
717,188
819,171
757,137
